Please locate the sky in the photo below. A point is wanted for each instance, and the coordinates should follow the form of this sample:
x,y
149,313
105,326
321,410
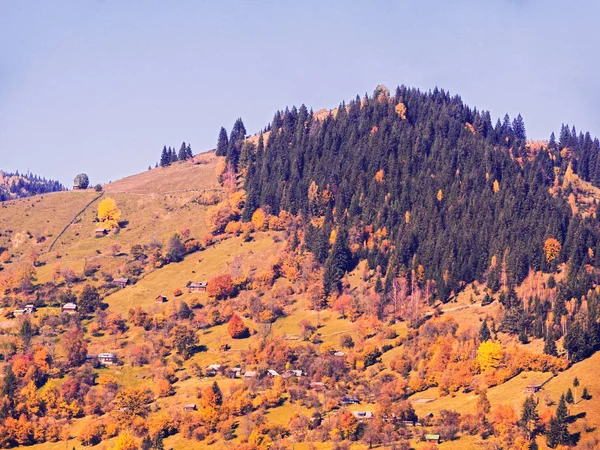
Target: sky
x,y
100,86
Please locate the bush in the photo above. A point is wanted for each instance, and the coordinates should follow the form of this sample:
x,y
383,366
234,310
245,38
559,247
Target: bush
x,y
177,292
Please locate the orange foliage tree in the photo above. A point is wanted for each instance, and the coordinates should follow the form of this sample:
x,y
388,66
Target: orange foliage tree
x,y
220,286
236,328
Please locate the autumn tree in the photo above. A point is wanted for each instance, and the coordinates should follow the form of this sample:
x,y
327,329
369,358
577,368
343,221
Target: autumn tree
x,y
184,339
130,403
220,287
89,299
551,249
126,441
176,249
488,355
236,328
75,345
108,213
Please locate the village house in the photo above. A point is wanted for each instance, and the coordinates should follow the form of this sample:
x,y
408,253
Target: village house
x,y
120,282
362,415
292,373
533,389
272,373
434,438
234,372
29,308
212,370
349,400
107,358
250,375
160,299
198,286
317,385
98,232
190,407
19,312
70,308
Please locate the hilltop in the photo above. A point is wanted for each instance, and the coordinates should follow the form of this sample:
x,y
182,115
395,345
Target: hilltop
x,y
14,185
398,256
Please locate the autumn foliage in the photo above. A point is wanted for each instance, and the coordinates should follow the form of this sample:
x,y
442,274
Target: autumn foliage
x,y
220,287
108,213
236,328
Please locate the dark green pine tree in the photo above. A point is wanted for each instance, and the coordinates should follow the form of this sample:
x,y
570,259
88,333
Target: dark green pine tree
x,y
173,155
484,332
183,155
550,344
218,394
9,383
562,416
222,143
569,397
188,151
337,263
529,415
165,158
585,394
146,443
519,128
26,333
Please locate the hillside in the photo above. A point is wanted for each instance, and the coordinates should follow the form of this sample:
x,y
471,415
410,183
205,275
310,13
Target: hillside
x,y
15,185
411,262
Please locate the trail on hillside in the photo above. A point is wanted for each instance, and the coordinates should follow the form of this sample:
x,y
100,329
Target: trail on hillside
x,y
72,221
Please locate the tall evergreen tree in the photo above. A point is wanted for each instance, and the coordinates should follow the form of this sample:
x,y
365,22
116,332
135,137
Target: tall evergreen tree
x,y
529,415
337,263
484,332
519,128
222,142
183,155
165,157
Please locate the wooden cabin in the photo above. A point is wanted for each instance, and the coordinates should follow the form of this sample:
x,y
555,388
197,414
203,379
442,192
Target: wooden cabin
x,y
434,438
190,407
120,282
29,308
107,358
70,308
213,370
362,415
250,375
198,286
99,232
160,299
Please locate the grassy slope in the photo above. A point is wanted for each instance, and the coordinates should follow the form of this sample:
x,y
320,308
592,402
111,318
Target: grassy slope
x,y
155,208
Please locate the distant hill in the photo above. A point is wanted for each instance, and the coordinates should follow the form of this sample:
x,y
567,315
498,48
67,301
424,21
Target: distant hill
x,y
15,185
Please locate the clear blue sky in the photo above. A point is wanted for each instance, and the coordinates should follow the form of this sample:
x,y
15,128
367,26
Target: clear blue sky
x,y
101,86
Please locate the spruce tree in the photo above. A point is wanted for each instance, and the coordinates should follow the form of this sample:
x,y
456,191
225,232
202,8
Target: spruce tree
x,y
585,395
9,383
569,397
576,386
337,263
165,157
550,344
519,128
484,332
182,156
222,143
529,415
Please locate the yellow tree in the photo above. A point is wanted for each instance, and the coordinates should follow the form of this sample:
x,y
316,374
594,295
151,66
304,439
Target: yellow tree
x,y
488,355
552,249
108,213
126,441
